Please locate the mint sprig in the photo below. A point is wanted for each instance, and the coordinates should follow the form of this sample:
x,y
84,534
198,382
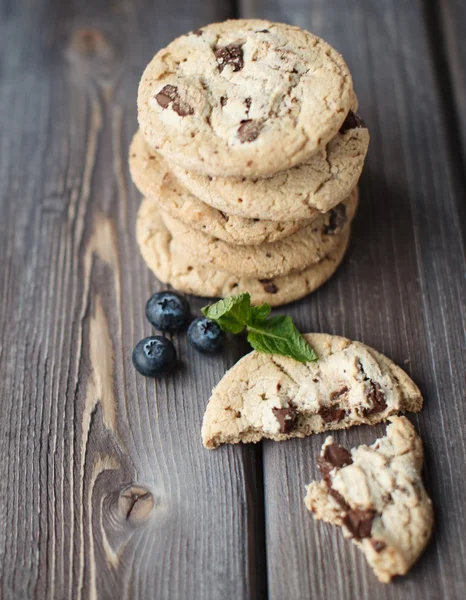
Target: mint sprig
x,y
272,335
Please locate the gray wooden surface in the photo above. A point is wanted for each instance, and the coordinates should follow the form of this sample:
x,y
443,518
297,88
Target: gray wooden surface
x,y
105,489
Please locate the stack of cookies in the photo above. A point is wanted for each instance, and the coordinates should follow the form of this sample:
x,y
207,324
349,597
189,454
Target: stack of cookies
x,y
248,157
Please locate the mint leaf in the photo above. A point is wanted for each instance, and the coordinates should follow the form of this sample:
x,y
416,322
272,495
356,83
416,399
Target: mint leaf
x,y
278,335
231,314
274,335
261,312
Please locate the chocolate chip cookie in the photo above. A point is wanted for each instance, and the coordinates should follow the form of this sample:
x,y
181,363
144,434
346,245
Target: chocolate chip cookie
x,y
155,180
375,493
172,264
296,252
271,396
222,99
320,183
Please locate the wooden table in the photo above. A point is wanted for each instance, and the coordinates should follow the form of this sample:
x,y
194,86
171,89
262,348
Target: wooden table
x,y
106,490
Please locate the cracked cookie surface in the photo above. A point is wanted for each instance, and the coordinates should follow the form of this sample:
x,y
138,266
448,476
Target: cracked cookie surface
x,y
220,99
275,397
154,179
298,251
170,262
320,183
375,493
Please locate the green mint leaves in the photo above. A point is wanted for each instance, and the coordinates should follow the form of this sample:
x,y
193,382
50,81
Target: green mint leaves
x,y
274,335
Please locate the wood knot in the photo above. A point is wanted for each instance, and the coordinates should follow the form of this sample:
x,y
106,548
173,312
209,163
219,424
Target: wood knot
x,y
90,43
135,504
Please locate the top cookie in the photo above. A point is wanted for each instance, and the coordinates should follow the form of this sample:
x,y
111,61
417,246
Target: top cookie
x,y
220,99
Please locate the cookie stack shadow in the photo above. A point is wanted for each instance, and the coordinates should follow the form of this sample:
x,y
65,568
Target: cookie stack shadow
x,y
277,235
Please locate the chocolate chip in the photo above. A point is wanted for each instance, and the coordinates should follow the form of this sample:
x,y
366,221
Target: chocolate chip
x,y
223,100
325,468
248,102
359,522
230,55
165,96
337,456
339,498
286,418
197,32
378,545
336,219
279,386
338,393
334,456
249,130
377,397
169,95
352,121
269,286
332,413
262,31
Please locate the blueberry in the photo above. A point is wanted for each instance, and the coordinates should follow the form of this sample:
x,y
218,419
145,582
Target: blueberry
x,y
167,311
205,335
154,356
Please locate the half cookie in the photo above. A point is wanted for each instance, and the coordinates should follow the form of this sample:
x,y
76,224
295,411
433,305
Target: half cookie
x,y
376,494
298,251
155,180
172,264
271,396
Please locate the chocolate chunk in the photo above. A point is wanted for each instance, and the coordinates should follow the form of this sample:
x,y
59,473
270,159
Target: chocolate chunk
x,y
352,121
339,498
332,413
337,456
223,100
169,95
165,96
360,368
325,468
286,418
334,456
249,130
377,397
337,218
359,522
378,545
230,55
338,393
269,286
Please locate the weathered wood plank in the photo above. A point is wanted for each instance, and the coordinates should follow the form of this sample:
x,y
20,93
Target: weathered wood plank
x,y
449,16
106,490
401,290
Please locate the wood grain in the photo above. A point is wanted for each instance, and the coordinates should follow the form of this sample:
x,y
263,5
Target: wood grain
x,y
106,490
402,290
449,16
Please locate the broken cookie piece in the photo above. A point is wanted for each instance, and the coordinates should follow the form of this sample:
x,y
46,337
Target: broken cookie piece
x,y
275,397
375,493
